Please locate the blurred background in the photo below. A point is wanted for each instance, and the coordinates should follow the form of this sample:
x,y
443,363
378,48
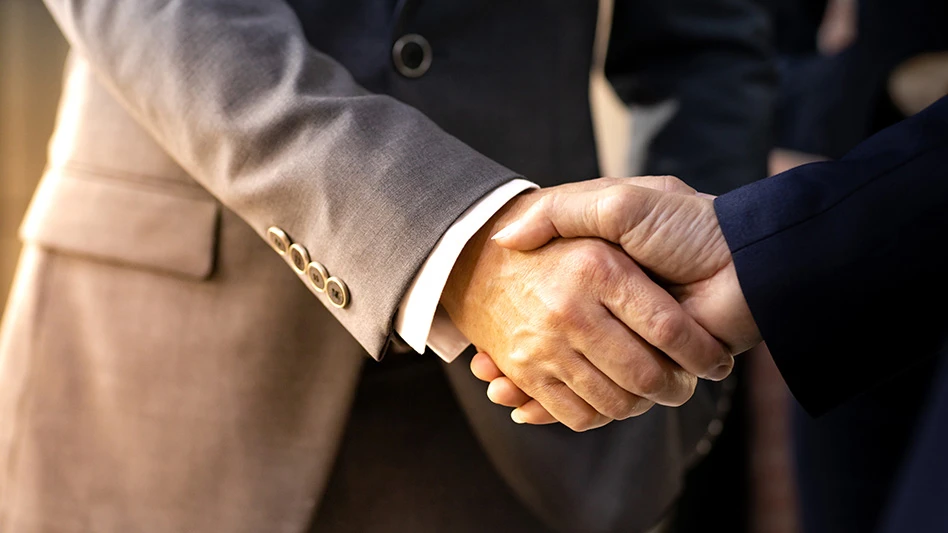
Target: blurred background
x,y
32,52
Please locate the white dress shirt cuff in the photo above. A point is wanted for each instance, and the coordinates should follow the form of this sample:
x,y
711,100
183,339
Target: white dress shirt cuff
x,y
420,320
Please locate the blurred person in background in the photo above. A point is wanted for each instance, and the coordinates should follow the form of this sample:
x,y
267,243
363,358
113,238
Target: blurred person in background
x,y
837,60
243,198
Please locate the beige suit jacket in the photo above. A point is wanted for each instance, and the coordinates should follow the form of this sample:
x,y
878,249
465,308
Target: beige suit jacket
x,y
158,351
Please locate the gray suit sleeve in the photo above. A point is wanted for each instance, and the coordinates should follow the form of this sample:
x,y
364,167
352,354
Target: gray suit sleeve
x,y
282,135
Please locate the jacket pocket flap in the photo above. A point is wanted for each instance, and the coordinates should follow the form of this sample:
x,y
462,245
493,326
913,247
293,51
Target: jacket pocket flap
x,y
166,227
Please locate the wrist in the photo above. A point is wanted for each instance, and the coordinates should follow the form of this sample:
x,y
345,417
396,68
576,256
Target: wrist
x,y
746,333
480,249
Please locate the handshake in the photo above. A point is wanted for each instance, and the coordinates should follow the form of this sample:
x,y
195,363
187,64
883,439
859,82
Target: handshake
x,y
636,300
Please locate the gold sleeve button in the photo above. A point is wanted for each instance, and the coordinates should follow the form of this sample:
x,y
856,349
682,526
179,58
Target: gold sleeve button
x,y
299,258
317,275
278,240
338,292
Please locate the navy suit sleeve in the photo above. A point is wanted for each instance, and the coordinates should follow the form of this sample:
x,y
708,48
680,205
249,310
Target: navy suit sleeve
x,y
713,59
845,264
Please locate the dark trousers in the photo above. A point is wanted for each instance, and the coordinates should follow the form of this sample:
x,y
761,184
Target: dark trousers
x,y
409,462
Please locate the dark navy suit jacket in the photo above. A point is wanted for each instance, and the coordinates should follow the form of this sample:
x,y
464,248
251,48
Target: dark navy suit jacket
x,y
827,105
920,500
843,265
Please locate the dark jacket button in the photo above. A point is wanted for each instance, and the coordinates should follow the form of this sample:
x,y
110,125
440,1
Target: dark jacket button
x,y
412,55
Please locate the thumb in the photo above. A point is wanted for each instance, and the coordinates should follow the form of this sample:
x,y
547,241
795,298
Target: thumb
x,y
605,213
532,230
661,183
603,208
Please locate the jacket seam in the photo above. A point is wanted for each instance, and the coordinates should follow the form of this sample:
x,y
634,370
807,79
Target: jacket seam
x,y
78,170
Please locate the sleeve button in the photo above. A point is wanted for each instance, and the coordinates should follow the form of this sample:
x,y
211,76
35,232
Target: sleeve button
x,y
317,275
338,292
278,240
299,258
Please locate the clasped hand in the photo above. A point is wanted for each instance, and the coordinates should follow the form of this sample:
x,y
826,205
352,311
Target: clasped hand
x,y
594,301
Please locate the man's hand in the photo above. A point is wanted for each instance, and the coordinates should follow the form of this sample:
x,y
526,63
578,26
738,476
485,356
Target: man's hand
x,y
560,322
674,236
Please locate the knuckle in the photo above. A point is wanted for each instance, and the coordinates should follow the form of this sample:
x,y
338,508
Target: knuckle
x,y
684,390
557,397
624,407
564,314
594,261
588,262
651,380
611,211
674,184
612,405
518,360
584,421
544,203
568,313
575,414
640,407
614,201
691,381
521,369
667,329
645,407
577,375
609,181
691,385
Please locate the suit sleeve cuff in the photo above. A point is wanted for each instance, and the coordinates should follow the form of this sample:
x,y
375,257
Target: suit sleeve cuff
x,y
419,320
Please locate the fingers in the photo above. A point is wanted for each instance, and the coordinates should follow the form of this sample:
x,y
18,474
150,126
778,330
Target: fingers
x,y
484,368
605,213
660,320
638,367
598,389
660,183
600,392
604,208
502,391
568,408
532,413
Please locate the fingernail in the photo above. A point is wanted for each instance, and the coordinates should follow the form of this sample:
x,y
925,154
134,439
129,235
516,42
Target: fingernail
x,y
517,417
506,232
722,371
